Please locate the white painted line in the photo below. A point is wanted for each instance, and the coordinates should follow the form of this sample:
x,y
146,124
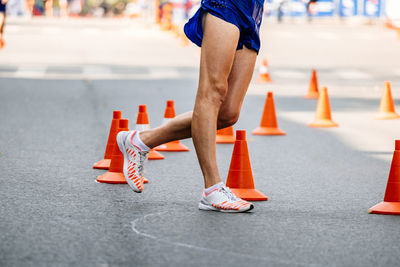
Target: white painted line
x,y
96,71
139,232
30,71
353,74
289,74
157,73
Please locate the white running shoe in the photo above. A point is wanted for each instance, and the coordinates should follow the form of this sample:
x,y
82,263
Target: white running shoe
x,y
222,199
134,158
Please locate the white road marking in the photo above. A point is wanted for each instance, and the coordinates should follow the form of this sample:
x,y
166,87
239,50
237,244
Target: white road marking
x,y
95,70
162,73
352,74
30,71
289,74
209,250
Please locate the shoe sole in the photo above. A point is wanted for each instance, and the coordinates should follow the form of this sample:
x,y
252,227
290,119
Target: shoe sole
x,y
121,137
211,208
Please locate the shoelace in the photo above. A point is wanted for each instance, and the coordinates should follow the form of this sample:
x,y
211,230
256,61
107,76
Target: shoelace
x,y
143,158
229,193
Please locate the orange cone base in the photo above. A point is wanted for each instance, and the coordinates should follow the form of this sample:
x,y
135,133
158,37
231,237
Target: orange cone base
x,y
154,155
172,147
386,116
103,164
114,178
268,131
225,139
388,208
312,95
249,194
323,123
264,79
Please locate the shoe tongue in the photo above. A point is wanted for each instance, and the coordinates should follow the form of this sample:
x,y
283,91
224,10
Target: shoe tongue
x,y
229,193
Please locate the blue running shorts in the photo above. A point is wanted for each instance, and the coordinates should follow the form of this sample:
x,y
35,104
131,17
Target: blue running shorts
x,y
245,14
2,8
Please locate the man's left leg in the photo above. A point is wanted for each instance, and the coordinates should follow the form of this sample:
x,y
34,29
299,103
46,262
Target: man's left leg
x,y
2,22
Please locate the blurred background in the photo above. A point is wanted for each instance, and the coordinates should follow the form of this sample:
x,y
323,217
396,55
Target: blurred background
x,y
176,11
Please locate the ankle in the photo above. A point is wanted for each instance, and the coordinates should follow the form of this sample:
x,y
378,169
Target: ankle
x,y
211,182
136,141
144,136
212,188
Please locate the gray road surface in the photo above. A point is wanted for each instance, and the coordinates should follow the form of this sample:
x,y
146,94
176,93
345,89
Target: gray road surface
x,y
60,82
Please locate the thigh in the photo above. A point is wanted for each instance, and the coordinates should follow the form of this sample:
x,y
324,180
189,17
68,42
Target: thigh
x,y
2,17
239,80
218,49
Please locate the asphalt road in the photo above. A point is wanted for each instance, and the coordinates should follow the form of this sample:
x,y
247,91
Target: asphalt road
x,y
57,94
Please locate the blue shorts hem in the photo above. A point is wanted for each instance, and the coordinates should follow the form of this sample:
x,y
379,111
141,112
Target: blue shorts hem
x,y
196,35
194,31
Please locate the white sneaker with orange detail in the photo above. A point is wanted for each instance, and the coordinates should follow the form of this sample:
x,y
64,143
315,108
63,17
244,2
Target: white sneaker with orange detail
x,y
222,199
134,159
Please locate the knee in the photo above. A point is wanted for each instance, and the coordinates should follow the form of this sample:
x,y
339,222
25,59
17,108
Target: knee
x,y
217,89
227,118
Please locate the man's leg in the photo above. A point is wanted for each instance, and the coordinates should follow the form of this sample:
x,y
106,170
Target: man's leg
x,y
2,22
238,82
218,51
217,55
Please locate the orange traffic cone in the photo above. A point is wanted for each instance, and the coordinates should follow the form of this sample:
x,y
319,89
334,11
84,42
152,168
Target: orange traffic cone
x,y
105,163
323,116
313,87
391,201
225,136
115,174
269,123
142,123
263,73
174,146
240,176
386,107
